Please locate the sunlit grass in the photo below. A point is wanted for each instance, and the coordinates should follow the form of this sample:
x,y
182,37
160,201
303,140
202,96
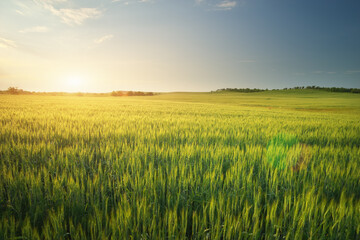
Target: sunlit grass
x,y
169,168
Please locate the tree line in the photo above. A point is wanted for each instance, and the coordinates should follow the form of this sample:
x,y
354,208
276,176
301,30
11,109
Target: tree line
x,y
130,93
19,91
244,90
327,89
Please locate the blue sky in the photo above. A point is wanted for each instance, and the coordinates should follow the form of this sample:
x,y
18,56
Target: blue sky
x,y
173,45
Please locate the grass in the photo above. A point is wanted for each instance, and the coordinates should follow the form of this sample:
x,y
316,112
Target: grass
x,y
273,165
291,99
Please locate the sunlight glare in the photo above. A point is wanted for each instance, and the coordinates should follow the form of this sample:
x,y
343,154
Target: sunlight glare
x,y
75,83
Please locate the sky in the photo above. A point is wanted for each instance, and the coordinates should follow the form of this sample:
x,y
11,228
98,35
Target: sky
x,y
178,45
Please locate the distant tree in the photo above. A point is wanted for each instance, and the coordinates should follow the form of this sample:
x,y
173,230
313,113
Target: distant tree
x,y
14,90
117,93
139,94
130,93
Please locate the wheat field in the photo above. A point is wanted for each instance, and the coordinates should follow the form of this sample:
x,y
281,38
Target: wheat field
x,y
274,165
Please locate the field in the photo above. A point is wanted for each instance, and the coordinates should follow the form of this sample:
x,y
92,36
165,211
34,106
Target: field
x,y
268,165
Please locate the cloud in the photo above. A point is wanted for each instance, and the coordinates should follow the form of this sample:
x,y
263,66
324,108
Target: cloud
x,y
226,5
219,4
352,71
70,16
103,39
76,16
23,8
199,1
323,72
6,43
128,2
19,12
247,61
51,1
37,29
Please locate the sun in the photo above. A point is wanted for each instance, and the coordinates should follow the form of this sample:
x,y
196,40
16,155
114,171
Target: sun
x,y
75,83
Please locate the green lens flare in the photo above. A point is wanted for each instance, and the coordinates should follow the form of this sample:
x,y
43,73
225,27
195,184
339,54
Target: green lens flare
x,y
283,151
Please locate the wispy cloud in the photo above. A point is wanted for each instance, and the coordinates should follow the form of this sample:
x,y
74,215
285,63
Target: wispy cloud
x,y
352,71
22,8
226,5
103,39
323,72
299,74
70,16
76,16
247,61
51,1
37,29
218,4
128,2
19,12
199,1
6,43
